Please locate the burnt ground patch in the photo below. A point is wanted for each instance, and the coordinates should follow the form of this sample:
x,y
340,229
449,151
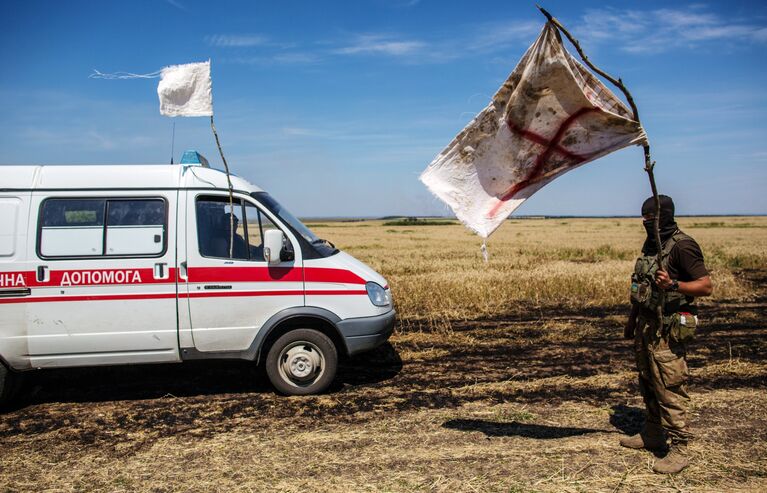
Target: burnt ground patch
x,y
515,360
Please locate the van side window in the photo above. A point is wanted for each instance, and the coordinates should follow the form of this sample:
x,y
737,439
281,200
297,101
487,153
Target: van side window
x,y
257,224
102,227
213,229
135,227
72,227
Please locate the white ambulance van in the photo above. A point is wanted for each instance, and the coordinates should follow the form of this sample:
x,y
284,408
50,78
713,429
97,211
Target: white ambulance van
x,y
108,265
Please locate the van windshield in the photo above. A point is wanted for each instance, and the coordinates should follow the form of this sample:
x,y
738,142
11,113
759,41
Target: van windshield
x,y
322,247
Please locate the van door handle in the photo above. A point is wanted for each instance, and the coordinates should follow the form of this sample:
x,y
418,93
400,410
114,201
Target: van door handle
x,y
161,270
43,273
183,271
8,293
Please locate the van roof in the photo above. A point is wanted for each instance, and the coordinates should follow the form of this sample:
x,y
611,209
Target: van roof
x,y
132,176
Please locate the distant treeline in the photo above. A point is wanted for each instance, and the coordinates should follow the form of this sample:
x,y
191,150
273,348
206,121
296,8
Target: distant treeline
x,y
419,221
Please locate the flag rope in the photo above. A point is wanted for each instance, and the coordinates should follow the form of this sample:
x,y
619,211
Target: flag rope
x,y
123,75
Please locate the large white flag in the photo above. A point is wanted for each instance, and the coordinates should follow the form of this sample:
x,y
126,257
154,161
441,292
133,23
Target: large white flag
x,y
185,90
550,116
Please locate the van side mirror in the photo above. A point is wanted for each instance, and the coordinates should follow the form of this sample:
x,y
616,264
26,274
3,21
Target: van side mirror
x,y
273,239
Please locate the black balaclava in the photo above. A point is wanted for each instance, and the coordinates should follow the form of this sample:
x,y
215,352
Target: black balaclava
x,y
668,225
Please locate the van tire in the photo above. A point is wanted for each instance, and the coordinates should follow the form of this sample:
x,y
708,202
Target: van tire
x,y
302,362
9,385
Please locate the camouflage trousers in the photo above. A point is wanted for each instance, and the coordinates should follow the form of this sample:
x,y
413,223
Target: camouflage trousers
x,y
662,376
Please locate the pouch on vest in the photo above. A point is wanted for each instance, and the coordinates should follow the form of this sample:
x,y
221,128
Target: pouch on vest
x,y
642,292
682,326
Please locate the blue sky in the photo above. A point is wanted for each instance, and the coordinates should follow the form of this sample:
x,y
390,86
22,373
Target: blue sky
x,y
336,107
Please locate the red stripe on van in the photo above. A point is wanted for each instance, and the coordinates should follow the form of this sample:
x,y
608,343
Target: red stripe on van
x,y
228,294
272,274
157,296
89,297
9,279
244,274
126,276
321,274
85,277
327,292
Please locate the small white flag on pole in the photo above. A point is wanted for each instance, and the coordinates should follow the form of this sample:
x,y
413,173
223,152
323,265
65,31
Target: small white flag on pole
x,y
186,90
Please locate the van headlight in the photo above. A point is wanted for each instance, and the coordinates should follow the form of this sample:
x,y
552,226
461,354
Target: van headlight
x,y
378,295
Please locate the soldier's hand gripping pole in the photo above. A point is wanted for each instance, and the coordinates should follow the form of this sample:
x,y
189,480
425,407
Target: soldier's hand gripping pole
x,y
649,164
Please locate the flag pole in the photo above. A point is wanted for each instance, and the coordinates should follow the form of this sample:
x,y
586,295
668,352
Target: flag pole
x,y
649,164
231,190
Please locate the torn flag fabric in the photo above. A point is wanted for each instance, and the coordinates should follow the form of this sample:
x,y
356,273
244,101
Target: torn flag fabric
x,y
550,116
185,90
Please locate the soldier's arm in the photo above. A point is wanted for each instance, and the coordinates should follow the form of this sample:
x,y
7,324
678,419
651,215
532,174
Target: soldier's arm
x,y
698,287
690,260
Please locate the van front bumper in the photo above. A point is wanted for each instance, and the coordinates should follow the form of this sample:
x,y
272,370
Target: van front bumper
x,y
365,333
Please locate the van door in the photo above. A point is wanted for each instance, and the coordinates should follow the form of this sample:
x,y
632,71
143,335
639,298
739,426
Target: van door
x,y
104,281
231,289
15,278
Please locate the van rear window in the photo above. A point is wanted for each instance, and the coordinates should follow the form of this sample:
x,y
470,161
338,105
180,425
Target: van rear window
x,y
102,227
73,213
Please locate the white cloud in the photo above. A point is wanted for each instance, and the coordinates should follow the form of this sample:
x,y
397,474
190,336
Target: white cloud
x,y
299,131
296,57
380,44
177,4
279,58
235,40
635,31
498,34
654,31
477,39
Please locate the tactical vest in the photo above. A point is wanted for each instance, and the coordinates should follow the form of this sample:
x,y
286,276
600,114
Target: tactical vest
x,y
644,291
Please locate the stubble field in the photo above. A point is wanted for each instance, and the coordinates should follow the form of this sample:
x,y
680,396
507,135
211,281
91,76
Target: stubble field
x,y
510,375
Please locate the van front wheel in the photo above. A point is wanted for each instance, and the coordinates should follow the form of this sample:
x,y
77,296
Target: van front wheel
x,y
302,362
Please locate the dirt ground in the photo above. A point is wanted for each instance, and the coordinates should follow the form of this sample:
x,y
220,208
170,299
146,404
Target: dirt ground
x,y
533,402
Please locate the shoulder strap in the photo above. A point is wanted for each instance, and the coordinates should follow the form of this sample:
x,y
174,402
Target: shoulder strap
x,y
671,242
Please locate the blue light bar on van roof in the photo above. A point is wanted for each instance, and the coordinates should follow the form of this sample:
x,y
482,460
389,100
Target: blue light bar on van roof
x,y
194,157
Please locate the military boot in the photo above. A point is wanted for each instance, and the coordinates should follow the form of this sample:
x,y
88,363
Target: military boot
x,y
674,461
651,438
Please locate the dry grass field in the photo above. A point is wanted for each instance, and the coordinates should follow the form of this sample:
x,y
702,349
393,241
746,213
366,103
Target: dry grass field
x,y
510,375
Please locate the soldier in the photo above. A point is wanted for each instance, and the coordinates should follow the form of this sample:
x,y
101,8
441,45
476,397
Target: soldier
x,y
660,354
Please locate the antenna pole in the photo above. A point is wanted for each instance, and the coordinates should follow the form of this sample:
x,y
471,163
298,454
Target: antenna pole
x,y
173,142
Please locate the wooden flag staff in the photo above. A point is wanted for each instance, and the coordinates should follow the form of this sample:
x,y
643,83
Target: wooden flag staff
x,y
231,190
649,164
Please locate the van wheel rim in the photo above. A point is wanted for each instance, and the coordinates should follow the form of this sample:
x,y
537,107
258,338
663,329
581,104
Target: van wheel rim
x,y
301,363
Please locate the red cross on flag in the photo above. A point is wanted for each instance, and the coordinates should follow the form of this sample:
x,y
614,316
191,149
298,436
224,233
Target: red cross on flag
x,y
550,116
